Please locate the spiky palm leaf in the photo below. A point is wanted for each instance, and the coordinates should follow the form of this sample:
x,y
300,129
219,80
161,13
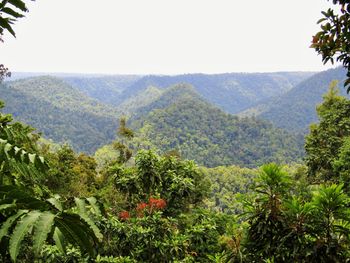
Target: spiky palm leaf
x,y
42,220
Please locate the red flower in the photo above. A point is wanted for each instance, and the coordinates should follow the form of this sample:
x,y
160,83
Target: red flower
x,y
124,215
157,203
141,206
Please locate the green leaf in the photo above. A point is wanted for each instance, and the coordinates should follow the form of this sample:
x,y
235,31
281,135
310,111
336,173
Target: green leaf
x,y
59,240
19,4
8,223
321,20
42,228
5,23
77,231
20,231
83,213
80,203
94,205
11,12
56,203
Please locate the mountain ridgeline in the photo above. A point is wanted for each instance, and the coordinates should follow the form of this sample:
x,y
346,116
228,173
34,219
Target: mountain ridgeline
x,y
232,92
295,110
189,113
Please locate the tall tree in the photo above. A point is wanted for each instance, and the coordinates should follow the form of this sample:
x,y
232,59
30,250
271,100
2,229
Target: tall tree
x,y
326,138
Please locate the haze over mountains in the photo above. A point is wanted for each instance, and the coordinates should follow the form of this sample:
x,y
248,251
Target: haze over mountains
x,y
295,109
191,113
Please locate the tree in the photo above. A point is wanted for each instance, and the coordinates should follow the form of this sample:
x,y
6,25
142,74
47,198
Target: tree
x,y
266,221
326,138
333,41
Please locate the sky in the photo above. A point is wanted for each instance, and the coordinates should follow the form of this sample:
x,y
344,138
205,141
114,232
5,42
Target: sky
x,y
165,36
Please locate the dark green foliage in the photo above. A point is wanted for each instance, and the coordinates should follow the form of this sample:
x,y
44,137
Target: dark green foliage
x,y
181,120
10,11
24,211
4,72
265,220
286,227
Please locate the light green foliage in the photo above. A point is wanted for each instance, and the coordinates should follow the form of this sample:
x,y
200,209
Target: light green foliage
x,y
70,174
140,100
341,165
326,138
179,182
228,185
232,92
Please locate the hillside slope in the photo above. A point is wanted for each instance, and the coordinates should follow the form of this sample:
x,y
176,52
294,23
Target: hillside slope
x,y
60,112
232,92
180,119
296,109
106,89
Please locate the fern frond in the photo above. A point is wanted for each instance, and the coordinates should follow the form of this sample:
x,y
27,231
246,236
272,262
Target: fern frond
x,y
41,230
20,231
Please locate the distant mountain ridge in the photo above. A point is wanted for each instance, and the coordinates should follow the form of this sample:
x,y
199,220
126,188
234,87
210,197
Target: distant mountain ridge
x,y
232,92
295,110
84,111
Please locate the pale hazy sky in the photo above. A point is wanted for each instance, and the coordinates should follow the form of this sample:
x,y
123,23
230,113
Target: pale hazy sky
x,y
165,36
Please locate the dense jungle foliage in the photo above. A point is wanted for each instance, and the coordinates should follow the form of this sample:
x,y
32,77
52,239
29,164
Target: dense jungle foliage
x,y
181,120
139,206
174,118
133,203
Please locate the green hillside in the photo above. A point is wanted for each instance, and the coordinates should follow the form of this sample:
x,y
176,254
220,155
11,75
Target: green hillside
x,y
232,92
106,89
296,109
181,120
60,112
140,100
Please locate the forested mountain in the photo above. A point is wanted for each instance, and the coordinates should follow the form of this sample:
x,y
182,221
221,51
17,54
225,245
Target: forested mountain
x,y
140,100
232,92
106,89
60,112
296,109
180,119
